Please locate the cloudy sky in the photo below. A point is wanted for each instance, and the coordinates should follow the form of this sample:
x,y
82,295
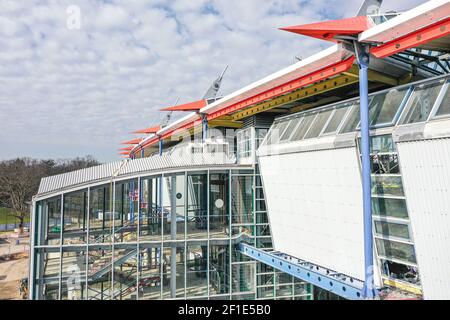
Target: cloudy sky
x,y
72,87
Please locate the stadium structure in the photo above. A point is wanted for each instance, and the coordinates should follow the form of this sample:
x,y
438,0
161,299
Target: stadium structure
x,y
328,179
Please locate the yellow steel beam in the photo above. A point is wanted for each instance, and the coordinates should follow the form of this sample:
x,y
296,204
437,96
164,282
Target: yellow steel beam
x,y
306,106
321,87
225,123
374,76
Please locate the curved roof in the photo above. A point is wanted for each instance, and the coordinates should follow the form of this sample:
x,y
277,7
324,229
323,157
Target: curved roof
x,y
110,171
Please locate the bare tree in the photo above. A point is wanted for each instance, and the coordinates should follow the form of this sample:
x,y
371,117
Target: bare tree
x,y
20,178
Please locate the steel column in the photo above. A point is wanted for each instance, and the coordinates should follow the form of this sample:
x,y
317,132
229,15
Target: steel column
x,y
204,128
173,236
369,290
160,147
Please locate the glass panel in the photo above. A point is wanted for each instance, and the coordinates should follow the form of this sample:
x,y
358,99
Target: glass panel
x,y
53,214
387,185
385,164
73,281
75,218
265,279
173,273
241,199
243,277
149,272
336,120
289,129
391,229
444,109
274,134
352,121
196,270
125,273
219,269
386,207
303,127
399,271
396,250
174,197
284,290
218,205
319,123
99,273
383,107
150,212
47,274
382,144
265,292
197,215
127,196
421,102
301,288
100,215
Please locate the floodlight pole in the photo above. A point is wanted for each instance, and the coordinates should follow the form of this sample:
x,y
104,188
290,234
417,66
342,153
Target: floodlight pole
x,y
363,56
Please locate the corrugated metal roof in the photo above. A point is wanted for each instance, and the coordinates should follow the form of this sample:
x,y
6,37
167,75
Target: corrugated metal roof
x,y
130,167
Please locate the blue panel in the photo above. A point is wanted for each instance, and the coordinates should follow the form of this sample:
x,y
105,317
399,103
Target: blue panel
x,y
337,283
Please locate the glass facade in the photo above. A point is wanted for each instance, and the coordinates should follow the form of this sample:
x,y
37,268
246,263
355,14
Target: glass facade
x,y
403,105
167,236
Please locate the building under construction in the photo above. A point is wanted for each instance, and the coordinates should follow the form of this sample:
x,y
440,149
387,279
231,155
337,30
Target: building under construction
x,y
327,179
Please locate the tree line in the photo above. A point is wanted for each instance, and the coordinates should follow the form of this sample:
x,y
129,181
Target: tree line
x,y
20,179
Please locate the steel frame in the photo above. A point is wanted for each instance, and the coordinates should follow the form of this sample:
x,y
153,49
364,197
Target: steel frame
x,y
332,281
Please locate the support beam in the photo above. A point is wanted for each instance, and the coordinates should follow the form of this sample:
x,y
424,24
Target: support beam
x,y
318,88
283,89
330,280
413,39
374,76
226,124
369,290
160,147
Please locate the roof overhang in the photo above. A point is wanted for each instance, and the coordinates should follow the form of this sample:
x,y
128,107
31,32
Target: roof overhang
x,y
191,106
328,30
328,57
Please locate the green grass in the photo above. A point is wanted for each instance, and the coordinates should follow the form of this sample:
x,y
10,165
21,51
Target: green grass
x,y
7,217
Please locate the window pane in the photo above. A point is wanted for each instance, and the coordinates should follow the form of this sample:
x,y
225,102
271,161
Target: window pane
x,y
319,123
444,109
401,272
289,129
197,217
241,199
421,102
274,134
385,164
352,120
387,185
396,250
218,205
336,120
383,107
392,229
386,207
383,144
303,127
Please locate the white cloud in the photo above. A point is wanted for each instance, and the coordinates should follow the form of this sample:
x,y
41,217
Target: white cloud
x,y
74,92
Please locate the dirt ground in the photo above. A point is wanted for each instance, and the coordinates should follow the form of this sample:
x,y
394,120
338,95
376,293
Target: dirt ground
x,y
13,267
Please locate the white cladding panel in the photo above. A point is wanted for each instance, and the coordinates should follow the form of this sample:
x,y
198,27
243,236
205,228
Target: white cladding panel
x,y
314,202
425,167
